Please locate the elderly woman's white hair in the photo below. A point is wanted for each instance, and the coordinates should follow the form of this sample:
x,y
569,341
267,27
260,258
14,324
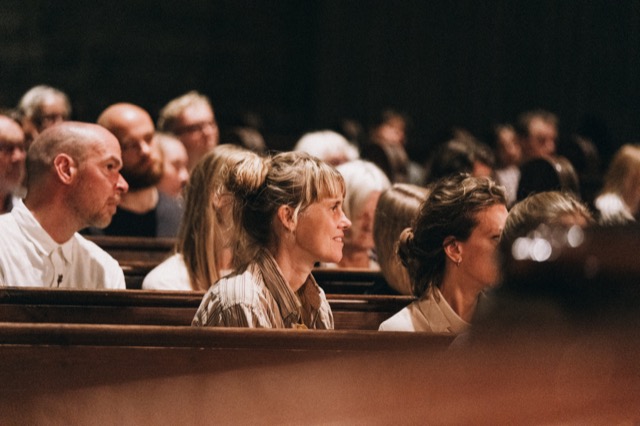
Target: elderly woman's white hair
x,y
362,178
329,146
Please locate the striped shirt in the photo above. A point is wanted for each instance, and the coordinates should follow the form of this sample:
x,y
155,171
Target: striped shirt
x,y
249,299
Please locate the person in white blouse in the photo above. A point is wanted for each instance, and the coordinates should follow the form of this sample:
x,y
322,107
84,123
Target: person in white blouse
x,y
451,254
203,252
73,182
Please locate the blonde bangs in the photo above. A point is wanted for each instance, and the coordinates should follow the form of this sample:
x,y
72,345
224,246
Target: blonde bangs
x,y
327,182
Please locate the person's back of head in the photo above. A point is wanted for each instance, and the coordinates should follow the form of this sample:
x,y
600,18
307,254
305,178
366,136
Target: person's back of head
x,y
397,208
207,225
548,208
623,174
460,155
327,145
246,137
449,211
547,174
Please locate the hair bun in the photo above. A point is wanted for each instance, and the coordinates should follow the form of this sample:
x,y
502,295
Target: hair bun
x,y
405,244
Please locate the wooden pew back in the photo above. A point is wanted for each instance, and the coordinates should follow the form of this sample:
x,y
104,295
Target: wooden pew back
x,y
351,312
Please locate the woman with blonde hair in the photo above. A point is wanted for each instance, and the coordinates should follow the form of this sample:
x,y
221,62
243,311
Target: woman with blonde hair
x,y
451,254
204,250
397,208
289,214
619,200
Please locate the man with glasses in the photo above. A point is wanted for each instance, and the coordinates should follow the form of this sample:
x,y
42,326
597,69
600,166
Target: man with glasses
x,y
144,211
12,157
40,108
191,119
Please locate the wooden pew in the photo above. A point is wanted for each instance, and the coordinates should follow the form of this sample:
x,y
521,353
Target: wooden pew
x,y
135,250
332,280
351,312
83,374
139,255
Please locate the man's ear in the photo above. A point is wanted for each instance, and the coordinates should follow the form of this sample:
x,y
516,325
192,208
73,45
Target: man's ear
x,y
65,167
285,215
452,248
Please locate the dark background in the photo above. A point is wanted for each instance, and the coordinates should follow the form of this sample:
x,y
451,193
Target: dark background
x,y
303,64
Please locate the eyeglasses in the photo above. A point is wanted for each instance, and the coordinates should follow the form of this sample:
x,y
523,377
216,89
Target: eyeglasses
x,y
7,148
196,127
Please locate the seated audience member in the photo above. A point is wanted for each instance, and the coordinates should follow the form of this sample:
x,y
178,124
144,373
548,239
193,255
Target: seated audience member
x,y
365,182
508,154
547,174
40,108
619,200
73,181
191,119
537,132
175,171
144,211
246,137
290,217
532,221
385,147
397,208
462,154
584,156
12,156
451,254
327,145
551,208
204,250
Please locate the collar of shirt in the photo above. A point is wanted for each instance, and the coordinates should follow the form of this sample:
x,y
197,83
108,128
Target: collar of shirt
x,y
35,233
448,319
289,303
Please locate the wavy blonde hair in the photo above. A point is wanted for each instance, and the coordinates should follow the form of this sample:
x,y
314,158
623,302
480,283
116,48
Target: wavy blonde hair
x,y
200,235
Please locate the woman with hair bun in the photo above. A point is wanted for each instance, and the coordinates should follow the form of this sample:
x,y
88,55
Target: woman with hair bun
x,y
289,215
451,254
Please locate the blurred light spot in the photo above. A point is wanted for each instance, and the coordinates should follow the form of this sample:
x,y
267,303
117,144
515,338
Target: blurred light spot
x,y
575,236
520,248
540,250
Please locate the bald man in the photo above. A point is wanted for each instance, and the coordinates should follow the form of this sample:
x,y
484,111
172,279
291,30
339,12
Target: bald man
x,y
12,155
144,211
73,182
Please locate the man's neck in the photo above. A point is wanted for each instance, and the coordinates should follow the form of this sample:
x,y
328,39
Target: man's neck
x,y
140,200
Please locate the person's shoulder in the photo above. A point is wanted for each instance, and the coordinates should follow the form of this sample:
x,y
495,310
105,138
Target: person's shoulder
x,y
171,274
400,321
93,250
10,230
239,289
